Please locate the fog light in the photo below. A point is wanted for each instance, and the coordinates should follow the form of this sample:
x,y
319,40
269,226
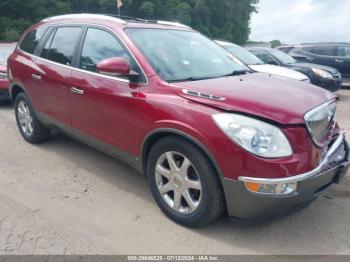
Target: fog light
x,y
282,189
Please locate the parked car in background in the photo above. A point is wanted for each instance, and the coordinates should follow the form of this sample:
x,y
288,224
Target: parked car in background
x,y
258,65
5,51
209,136
324,76
285,48
335,55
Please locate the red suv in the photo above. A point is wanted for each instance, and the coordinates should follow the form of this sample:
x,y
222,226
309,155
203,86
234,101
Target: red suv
x,y
209,135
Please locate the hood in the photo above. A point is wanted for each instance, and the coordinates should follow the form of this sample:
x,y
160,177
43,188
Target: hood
x,y
279,71
282,101
309,66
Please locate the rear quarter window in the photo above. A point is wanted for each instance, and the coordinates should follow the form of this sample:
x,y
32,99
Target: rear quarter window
x,y
61,45
31,40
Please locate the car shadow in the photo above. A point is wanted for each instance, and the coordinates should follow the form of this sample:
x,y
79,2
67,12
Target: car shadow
x,y
293,231
7,104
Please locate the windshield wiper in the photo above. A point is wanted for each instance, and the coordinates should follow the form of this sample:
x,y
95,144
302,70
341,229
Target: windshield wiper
x,y
238,72
189,79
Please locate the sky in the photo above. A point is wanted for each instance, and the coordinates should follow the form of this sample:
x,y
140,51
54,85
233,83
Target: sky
x,y
302,21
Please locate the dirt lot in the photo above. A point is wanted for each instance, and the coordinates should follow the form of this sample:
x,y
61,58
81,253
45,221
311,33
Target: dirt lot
x,y
63,197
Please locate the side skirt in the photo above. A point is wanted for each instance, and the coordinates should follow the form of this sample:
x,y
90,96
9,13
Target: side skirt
x,y
132,160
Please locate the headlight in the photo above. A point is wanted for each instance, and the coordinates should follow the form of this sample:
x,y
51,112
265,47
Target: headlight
x,y
3,76
322,73
255,136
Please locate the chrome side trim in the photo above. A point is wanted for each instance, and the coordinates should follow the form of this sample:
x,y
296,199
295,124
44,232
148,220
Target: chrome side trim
x,y
202,95
110,30
301,177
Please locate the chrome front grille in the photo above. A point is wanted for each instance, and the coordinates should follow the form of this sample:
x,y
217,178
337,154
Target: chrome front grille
x,y
321,122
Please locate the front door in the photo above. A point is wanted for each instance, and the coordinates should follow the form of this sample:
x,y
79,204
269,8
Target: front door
x,y
102,105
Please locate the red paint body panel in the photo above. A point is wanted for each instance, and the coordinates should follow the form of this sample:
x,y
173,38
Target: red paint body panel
x,y
256,94
123,115
106,111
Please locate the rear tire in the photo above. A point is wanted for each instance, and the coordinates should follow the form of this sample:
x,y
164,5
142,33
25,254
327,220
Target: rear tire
x,y
193,177
32,130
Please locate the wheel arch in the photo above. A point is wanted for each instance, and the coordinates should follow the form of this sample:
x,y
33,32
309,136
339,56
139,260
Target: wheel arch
x,y
15,89
158,134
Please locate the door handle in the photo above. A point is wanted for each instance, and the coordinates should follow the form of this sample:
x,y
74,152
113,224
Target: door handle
x,y
77,91
339,61
36,77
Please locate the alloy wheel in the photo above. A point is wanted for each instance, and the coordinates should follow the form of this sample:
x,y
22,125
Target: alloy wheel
x,y
178,182
25,118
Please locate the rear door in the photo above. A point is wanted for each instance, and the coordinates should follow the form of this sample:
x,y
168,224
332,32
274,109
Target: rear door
x,y
53,75
325,55
103,105
343,60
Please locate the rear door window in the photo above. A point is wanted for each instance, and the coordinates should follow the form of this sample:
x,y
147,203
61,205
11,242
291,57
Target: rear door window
x,y
60,47
343,51
324,50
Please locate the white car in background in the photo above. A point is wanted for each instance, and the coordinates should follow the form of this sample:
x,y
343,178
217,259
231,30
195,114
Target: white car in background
x,y
254,63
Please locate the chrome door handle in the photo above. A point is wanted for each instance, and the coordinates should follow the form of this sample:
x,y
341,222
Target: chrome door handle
x,y
36,77
77,91
339,61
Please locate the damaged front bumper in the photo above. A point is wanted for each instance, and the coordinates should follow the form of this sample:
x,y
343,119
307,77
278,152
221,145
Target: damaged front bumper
x,y
250,198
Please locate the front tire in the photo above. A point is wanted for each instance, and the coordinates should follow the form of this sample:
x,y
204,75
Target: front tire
x,y
184,182
28,124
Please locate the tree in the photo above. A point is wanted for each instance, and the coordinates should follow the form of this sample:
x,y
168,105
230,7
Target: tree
x,y
223,19
275,43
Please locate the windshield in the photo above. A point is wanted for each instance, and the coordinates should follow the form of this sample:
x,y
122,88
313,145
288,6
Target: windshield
x,y
283,57
244,55
5,52
183,55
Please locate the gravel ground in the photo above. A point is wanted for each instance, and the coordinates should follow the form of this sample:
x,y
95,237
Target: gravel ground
x,y
63,197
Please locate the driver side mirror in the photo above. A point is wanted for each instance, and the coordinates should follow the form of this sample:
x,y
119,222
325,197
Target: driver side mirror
x,y
115,66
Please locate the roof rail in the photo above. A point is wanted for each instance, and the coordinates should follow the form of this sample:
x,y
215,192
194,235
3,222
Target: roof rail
x,y
115,19
173,24
129,18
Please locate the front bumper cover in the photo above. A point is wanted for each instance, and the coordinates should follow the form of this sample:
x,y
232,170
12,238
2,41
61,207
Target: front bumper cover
x,y
244,204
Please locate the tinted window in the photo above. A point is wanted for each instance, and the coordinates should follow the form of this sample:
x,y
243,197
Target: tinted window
x,y
281,56
323,50
344,51
308,48
266,58
100,45
45,50
63,45
244,55
31,40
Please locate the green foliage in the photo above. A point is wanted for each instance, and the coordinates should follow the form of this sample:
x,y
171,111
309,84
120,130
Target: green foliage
x,y
220,19
275,43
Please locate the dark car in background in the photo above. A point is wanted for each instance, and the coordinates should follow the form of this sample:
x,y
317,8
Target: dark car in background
x,y
5,51
335,55
324,76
